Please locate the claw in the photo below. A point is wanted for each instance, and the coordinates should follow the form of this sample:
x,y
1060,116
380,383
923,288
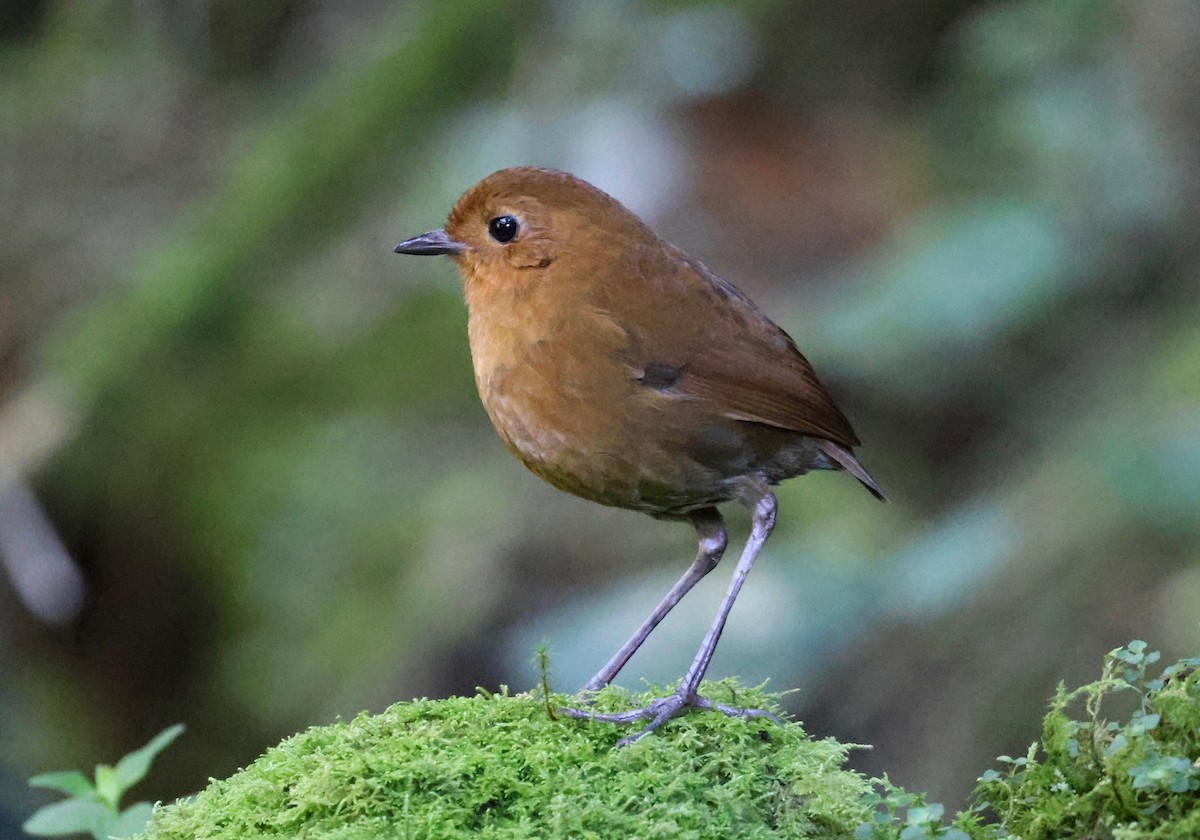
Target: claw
x,y
662,709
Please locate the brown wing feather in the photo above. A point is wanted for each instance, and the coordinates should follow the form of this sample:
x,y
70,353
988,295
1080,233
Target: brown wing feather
x,y
795,401
735,357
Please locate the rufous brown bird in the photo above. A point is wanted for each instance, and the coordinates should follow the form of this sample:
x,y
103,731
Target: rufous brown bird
x,y
618,368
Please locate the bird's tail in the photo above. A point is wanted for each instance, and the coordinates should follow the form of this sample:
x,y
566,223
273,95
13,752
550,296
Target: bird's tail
x,y
845,458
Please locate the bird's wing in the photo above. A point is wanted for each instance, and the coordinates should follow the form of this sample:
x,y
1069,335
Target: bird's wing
x,y
732,356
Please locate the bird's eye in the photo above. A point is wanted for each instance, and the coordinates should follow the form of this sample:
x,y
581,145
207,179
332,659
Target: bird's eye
x,y
503,228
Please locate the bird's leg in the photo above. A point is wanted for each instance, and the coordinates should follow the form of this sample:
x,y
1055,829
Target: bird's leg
x,y
759,498
710,533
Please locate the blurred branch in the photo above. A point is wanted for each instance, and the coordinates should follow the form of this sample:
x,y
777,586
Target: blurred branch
x,y
43,574
45,577
34,423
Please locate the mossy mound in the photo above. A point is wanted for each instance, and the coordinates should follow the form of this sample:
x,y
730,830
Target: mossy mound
x,y
497,766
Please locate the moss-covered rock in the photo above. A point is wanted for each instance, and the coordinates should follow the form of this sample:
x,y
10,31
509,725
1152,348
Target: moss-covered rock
x,y
497,766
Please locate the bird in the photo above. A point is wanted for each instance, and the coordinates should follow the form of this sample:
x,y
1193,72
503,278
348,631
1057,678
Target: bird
x,y
618,368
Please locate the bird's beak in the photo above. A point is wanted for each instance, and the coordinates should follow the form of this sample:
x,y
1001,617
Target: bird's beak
x,y
430,245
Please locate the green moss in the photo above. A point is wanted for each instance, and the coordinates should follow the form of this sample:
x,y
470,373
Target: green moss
x,y
498,766
1092,777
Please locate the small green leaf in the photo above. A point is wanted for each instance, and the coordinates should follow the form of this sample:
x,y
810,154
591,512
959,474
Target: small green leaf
x,y
71,816
132,768
926,814
70,782
132,820
108,788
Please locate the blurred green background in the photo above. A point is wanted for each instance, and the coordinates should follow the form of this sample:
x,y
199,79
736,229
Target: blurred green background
x,y
245,482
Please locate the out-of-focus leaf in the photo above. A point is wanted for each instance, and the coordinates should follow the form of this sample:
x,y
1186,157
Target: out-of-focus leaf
x,y
132,820
71,816
954,280
132,768
107,787
70,782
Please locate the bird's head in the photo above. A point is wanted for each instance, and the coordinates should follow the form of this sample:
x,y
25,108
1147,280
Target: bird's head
x,y
519,222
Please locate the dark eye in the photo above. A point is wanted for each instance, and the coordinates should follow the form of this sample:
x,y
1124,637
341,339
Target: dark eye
x,y
503,228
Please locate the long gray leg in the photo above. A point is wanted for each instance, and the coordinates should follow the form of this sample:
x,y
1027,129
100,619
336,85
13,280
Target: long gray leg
x,y
763,509
761,501
712,538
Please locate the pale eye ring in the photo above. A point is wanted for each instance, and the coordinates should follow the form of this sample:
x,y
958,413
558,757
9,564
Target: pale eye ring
x,y
504,228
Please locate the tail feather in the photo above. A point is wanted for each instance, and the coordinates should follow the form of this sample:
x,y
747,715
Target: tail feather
x,y
845,458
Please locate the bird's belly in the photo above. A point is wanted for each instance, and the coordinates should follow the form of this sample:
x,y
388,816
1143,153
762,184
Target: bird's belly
x,y
576,448
635,449
594,447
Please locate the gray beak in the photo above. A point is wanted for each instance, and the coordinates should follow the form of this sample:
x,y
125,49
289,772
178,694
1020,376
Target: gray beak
x,y
430,244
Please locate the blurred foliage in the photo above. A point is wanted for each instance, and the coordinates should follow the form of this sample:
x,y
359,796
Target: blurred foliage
x,y
94,807
1093,777
256,429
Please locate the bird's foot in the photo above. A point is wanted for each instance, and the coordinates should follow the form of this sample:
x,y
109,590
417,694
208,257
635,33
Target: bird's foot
x,y
661,709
